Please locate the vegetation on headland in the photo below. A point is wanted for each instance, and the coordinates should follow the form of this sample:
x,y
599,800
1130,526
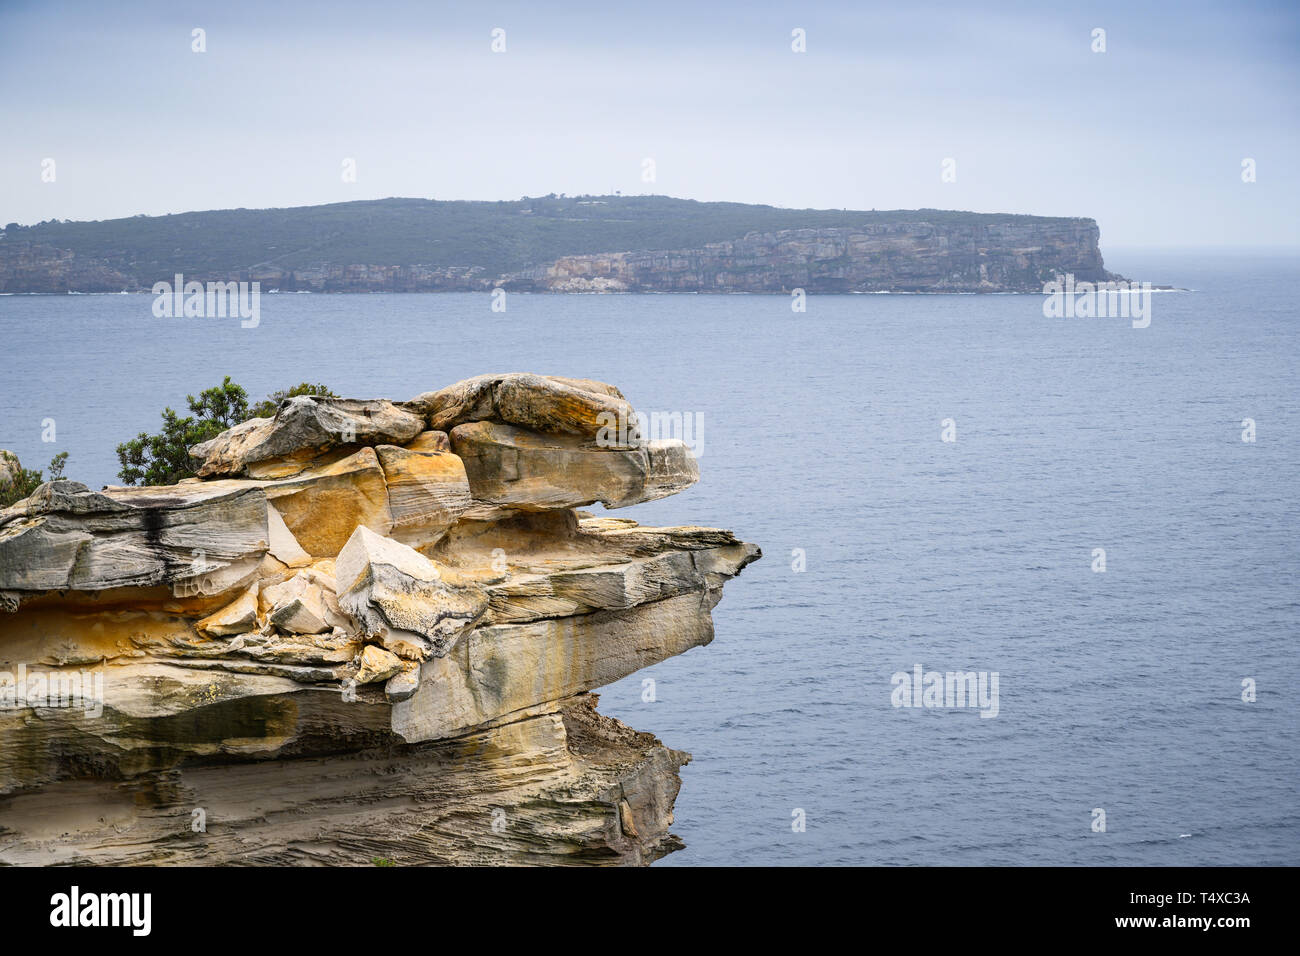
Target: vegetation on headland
x,y
497,237
163,458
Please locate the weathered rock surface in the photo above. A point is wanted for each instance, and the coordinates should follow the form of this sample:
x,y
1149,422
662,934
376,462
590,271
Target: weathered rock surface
x,y
393,636
237,617
510,467
306,423
377,664
543,403
565,786
402,599
505,669
324,504
66,537
304,604
427,491
281,543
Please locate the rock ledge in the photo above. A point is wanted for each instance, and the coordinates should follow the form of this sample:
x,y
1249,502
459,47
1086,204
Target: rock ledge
x,y
368,630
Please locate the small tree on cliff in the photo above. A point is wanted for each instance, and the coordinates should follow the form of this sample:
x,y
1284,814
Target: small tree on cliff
x,y
164,459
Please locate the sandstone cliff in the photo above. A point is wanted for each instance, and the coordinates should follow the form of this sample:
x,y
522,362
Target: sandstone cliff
x,y
367,631
896,257
36,267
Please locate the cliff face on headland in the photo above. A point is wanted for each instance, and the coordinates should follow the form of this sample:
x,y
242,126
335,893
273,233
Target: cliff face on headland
x,y
367,631
609,244
909,257
35,267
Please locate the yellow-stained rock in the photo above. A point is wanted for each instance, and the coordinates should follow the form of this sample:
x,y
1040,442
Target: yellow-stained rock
x,y
238,617
429,441
322,507
281,544
427,492
377,664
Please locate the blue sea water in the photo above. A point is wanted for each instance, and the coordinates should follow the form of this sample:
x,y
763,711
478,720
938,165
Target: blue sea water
x,y
822,432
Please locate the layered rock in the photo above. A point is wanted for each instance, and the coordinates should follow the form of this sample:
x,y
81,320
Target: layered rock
x,y
387,615
1012,256
306,425
544,403
510,467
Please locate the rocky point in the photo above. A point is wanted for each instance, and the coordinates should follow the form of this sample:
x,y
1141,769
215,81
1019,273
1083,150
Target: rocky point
x,y
367,631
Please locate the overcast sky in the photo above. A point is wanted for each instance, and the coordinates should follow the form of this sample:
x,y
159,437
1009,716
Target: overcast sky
x,y
1148,137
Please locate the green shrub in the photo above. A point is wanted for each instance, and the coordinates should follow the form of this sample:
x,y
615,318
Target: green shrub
x,y
163,459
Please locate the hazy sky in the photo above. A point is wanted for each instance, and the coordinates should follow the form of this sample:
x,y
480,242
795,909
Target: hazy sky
x,y
1148,138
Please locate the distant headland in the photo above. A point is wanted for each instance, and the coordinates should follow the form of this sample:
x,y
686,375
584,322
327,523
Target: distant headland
x,y
557,243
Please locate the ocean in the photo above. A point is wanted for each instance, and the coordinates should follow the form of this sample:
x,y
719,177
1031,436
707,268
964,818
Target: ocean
x,y
885,547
